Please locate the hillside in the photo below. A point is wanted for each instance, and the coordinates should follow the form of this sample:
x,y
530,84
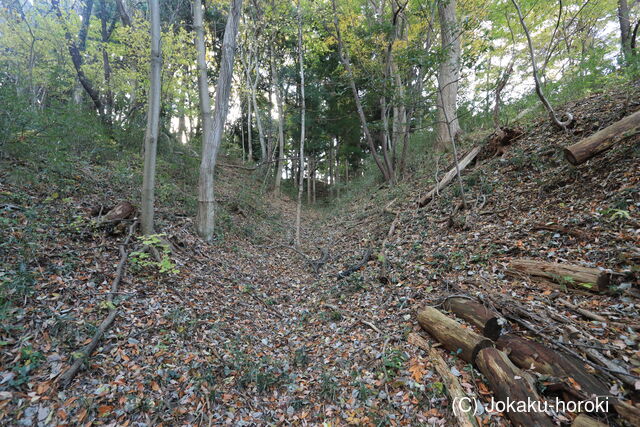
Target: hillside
x,y
249,331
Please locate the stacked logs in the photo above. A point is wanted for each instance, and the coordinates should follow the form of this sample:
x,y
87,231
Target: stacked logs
x,y
505,358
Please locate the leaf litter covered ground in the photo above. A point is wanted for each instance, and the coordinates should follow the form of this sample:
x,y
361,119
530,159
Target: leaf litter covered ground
x,y
248,334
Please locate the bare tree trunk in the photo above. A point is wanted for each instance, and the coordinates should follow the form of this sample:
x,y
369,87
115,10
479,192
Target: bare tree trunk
x,y
625,30
105,32
331,163
263,145
309,172
213,127
249,136
346,62
448,126
76,59
346,168
124,15
303,108
182,129
276,82
244,150
499,88
543,99
313,181
153,121
386,139
82,43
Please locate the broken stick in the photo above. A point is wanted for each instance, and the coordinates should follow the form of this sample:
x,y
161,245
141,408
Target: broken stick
x,y
69,374
449,176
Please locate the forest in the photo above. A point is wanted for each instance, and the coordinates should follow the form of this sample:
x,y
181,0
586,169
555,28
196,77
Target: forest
x,y
319,212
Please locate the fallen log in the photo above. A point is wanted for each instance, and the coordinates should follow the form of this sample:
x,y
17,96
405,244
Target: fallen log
x,y
455,338
510,384
465,418
465,413
527,354
418,341
489,322
583,420
601,141
564,230
571,275
462,163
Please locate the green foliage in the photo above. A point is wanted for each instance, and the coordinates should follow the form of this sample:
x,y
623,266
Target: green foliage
x,y
145,259
392,361
616,214
29,361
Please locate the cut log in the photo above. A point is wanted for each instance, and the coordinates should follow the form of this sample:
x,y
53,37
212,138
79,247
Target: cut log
x,y
462,163
489,322
527,354
571,275
455,338
583,420
603,140
464,416
510,384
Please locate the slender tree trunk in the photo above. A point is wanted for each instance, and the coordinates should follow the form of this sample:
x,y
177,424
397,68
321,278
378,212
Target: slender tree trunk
x,y
313,181
346,62
263,145
122,12
82,44
303,109
448,76
386,138
331,162
539,91
244,150
76,59
309,178
625,30
182,129
249,136
346,169
105,33
280,159
338,177
213,127
153,121
499,88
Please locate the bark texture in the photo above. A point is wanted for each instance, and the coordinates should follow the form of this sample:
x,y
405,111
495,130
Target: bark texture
x,y
509,382
448,126
303,107
575,276
489,322
213,127
451,334
527,354
603,140
153,121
